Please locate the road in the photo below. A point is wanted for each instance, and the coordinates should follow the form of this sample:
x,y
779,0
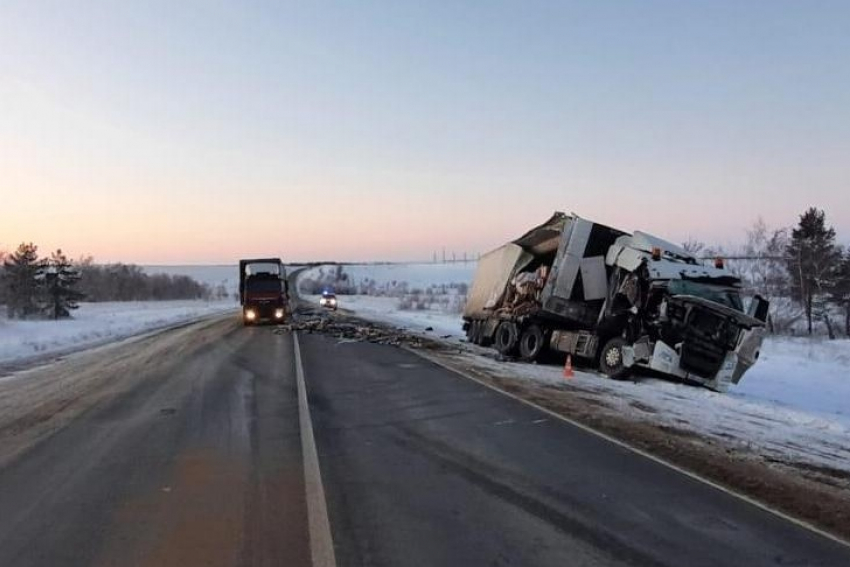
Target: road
x,y
186,449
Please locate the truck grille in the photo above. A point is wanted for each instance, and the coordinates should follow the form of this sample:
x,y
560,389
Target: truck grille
x,y
705,343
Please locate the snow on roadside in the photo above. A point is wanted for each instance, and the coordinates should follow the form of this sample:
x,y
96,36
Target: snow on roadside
x,y
810,375
97,323
740,420
792,406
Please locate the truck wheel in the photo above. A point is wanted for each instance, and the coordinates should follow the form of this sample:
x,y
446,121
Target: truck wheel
x,y
483,339
611,359
531,343
476,332
470,332
506,338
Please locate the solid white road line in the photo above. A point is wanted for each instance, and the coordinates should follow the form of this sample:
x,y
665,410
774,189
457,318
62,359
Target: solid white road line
x,y
464,374
321,541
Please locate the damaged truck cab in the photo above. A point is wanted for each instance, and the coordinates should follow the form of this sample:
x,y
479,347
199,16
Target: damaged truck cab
x,y
620,300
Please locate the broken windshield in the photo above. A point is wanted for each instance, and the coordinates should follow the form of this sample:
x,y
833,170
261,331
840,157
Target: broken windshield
x,y
719,294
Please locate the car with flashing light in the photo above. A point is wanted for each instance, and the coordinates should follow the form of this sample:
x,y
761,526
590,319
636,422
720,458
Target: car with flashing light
x,y
328,301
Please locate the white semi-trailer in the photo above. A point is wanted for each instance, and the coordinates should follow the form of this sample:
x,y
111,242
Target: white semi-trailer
x,y
614,299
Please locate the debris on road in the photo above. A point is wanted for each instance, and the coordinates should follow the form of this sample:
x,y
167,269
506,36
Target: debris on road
x,y
356,331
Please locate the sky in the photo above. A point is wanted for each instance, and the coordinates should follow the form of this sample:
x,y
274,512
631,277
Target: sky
x,y
203,131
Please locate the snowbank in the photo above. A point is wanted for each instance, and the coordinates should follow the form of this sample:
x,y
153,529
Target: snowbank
x,y
97,323
810,375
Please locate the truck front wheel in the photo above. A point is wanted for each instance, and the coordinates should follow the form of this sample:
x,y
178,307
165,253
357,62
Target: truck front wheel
x,y
611,359
476,332
506,338
531,343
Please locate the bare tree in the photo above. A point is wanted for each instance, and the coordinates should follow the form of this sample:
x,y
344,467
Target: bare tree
x,y
693,246
763,268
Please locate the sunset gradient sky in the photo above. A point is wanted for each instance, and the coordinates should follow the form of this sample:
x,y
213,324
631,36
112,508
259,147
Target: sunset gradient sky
x,y
203,131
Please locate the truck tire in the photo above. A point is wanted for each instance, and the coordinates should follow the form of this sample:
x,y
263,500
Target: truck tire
x,y
483,339
470,331
611,359
476,332
506,338
532,343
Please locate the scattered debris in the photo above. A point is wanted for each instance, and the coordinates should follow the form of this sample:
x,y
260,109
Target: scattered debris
x,y
349,330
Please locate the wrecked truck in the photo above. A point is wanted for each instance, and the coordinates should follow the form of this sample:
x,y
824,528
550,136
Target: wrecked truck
x,y
263,290
615,299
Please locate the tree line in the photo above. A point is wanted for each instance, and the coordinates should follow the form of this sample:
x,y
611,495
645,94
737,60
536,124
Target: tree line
x,y
802,270
52,287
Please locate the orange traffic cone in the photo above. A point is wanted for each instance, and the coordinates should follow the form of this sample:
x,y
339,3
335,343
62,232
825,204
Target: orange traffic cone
x,y
568,367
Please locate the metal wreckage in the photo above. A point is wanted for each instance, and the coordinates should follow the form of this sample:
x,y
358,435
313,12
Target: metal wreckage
x,y
618,300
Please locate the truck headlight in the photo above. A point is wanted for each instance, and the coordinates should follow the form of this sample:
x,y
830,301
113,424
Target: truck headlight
x,y
278,313
250,314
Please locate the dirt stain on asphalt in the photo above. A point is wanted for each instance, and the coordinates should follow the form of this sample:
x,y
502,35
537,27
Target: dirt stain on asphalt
x,y
196,518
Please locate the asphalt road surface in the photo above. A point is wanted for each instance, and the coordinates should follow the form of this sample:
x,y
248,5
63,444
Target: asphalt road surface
x,y
186,449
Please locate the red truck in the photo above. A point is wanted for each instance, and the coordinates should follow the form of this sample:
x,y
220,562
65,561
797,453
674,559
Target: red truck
x,y
263,290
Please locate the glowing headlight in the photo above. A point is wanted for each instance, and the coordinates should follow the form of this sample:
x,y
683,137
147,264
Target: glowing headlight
x,y
250,314
278,313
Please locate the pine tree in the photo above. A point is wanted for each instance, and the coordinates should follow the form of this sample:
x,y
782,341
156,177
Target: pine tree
x,y
813,261
2,277
840,292
19,281
57,281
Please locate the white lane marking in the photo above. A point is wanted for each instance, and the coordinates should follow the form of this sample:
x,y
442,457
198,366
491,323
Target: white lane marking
x,y
321,541
623,444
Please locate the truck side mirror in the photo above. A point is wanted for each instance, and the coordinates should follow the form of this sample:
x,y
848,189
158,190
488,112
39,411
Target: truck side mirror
x,y
758,308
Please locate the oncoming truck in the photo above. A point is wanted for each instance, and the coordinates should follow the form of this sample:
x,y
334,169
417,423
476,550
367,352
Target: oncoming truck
x,y
263,290
615,299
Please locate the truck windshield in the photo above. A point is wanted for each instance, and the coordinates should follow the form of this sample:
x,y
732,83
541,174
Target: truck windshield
x,y
256,285
262,268
719,294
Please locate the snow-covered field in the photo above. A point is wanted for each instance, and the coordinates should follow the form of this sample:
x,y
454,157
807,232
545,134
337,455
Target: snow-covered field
x,y
97,323
792,406
212,276
225,277
416,275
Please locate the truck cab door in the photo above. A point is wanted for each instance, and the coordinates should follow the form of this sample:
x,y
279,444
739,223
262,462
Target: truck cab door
x,y
758,308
